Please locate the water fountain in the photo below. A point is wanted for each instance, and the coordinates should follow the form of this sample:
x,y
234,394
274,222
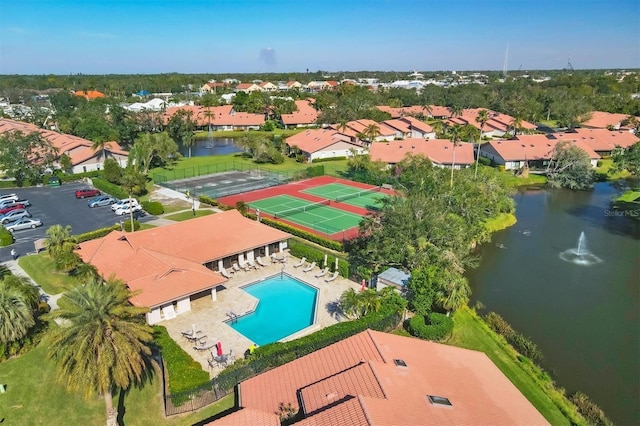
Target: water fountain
x,y
580,255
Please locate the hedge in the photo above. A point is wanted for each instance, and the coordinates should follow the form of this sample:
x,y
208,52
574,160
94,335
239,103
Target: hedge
x,y
435,327
98,233
127,225
322,160
312,254
6,237
208,200
153,207
109,188
325,242
521,343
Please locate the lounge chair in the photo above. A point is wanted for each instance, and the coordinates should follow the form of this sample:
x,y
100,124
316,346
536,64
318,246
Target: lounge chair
x,y
225,273
322,273
204,347
236,268
332,277
299,264
260,261
252,264
245,266
310,267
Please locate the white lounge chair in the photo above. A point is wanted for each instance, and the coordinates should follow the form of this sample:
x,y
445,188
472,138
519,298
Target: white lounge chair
x,y
310,267
245,265
299,264
322,273
332,277
225,273
252,264
236,268
260,261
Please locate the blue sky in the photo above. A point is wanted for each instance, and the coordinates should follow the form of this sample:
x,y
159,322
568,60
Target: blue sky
x,y
236,36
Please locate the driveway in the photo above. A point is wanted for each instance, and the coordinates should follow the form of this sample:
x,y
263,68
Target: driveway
x,y
58,205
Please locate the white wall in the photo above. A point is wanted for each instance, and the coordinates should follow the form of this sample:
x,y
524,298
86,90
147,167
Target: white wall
x,y
184,305
153,316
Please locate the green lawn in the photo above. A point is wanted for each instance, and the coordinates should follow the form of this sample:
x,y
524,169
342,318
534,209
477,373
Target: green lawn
x,y
179,217
41,269
630,196
471,333
605,165
502,221
514,181
34,398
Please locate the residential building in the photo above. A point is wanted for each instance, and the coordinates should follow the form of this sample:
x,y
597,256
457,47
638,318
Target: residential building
x,y
604,120
213,87
439,151
172,265
267,86
305,115
323,143
89,94
498,125
84,158
223,117
248,87
602,141
534,151
410,127
379,379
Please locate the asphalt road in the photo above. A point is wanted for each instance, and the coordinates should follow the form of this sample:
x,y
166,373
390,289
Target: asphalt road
x,y
58,205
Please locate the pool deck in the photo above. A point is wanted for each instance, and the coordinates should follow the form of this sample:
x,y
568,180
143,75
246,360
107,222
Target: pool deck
x,y
209,316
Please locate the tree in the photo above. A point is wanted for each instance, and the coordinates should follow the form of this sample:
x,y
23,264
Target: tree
x,y
481,119
59,240
570,167
350,303
516,125
16,316
371,132
103,342
627,159
454,293
25,157
112,170
421,289
633,123
454,137
152,149
134,182
180,128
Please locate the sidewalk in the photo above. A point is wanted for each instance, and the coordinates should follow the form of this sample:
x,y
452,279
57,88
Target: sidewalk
x,y
52,300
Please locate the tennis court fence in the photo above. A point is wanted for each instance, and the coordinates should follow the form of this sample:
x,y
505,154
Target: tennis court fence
x,y
357,194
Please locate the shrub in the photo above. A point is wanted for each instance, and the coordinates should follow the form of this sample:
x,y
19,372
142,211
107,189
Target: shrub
x,y
208,200
599,163
313,254
98,233
501,168
153,207
322,160
6,237
484,161
499,325
521,343
109,188
589,410
127,225
314,171
435,327
184,372
325,242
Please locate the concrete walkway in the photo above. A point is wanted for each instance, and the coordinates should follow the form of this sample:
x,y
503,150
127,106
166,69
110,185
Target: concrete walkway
x,y
52,300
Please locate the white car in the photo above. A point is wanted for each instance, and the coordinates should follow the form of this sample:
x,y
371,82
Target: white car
x,y
24,223
14,215
127,210
124,203
8,198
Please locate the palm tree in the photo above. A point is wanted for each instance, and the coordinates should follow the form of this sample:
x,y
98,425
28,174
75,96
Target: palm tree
x,y
369,301
16,316
100,145
439,127
59,239
209,115
481,119
350,303
516,125
22,285
103,343
372,131
454,137
133,181
454,295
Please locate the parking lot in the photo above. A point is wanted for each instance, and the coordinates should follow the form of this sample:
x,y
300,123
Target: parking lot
x,y
58,205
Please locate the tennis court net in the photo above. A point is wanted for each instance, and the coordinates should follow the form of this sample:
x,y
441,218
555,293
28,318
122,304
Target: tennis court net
x,y
301,209
357,194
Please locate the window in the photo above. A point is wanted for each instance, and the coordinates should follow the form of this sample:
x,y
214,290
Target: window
x,y
399,363
439,400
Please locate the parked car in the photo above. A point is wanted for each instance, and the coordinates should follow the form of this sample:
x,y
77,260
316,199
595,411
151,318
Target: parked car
x,y
87,192
8,197
23,201
124,202
7,202
9,207
23,223
14,215
101,200
54,181
126,209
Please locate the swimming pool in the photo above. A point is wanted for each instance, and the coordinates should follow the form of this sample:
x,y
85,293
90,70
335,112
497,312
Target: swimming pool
x,y
286,306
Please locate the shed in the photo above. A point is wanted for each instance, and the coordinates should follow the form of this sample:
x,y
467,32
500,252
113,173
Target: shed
x,y
392,277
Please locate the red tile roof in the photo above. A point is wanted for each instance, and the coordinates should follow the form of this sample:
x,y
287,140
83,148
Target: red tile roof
x,y
497,120
439,151
532,147
305,114
417,124
601,140
601,119
248,417
356,382
222,115
314,140
167,262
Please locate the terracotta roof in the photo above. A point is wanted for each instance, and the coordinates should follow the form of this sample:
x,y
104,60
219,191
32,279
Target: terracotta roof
x,y
314,140
417,124
222,115
89,94
601,139
356,382
398,124
248,417
167,262
601,119
497,120
305,114
439,151
532,147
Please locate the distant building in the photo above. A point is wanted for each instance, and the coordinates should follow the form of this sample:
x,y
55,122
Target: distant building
x,y
392,277
89,94
438,151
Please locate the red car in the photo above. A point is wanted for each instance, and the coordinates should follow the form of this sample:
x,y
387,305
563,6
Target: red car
x,y
7,209
87,192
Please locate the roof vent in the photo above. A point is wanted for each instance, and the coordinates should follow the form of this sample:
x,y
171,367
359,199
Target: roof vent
x,y
439,400
399,363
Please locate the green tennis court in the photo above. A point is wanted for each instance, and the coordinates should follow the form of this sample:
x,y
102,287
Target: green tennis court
x,y
365,198
317,216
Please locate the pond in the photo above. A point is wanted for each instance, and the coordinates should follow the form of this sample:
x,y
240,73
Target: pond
x,y
567,275
209,145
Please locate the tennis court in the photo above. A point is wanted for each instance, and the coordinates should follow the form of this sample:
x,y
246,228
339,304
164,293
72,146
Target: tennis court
x,y
318,216
367,199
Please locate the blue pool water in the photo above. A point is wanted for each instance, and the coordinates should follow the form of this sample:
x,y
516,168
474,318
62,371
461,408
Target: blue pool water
x,y
286,306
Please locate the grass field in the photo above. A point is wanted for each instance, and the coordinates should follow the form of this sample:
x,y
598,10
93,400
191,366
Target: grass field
x,y
502,221
41,269
179,217
471,333
34,398
605,166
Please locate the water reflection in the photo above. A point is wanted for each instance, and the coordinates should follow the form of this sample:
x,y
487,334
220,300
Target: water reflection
x,y
211,146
